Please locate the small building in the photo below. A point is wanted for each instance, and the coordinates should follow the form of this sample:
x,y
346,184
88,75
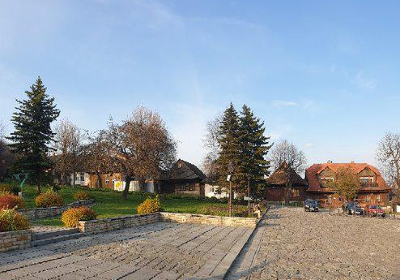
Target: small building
x,y
372,187
285,185
184,178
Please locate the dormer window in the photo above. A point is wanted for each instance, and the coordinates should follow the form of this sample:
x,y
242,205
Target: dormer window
x,y
325,181
366,181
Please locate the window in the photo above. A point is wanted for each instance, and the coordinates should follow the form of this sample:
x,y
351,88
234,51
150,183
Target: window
x,y
82,176
368,199
325,181
179,164
378,198
107,181
295,193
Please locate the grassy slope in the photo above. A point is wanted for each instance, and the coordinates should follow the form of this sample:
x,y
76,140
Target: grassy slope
x,y
110,204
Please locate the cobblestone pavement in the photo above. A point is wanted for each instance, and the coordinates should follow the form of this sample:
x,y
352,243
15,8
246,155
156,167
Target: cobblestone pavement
x,y
293,244
155,251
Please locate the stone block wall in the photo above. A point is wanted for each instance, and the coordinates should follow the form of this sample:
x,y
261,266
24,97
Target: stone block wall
x,y
102,225
13,240
209,220
40,213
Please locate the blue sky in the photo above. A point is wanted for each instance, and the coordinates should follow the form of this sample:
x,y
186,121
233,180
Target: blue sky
x,y
323,74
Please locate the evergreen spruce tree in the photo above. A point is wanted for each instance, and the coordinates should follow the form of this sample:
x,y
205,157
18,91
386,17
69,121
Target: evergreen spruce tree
x,y
33,134
254,146
229,146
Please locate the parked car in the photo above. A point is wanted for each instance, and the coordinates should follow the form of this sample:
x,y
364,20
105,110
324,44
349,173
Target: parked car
x,y
376,210
311,205
352,208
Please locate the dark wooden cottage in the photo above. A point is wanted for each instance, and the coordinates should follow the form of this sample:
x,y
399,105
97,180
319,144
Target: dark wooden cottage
x,y
184,178
285,185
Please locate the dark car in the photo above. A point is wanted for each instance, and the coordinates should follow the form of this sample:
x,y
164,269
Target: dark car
x,y
311,205
352,208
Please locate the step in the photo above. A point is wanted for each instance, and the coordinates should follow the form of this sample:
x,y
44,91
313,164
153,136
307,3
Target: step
x,y
56,239
53,233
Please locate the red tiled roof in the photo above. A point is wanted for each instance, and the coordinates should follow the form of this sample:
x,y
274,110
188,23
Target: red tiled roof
x,y
313,171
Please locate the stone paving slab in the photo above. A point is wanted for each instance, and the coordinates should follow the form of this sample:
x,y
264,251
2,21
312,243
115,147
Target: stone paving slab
x,y
293,244
153,251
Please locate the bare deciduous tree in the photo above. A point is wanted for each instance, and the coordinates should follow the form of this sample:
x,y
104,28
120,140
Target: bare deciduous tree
x,y
2,130
213,148
141,146
284,151
96,156
388,155
67,144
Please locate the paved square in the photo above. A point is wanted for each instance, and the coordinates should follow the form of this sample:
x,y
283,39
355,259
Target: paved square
x,y
293,244
154,251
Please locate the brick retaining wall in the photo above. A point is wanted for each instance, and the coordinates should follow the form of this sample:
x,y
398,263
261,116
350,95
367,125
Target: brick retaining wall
x,y
102,225
13,240
40,213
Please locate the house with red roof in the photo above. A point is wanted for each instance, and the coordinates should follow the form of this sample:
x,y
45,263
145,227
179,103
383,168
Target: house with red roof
x,y
372,188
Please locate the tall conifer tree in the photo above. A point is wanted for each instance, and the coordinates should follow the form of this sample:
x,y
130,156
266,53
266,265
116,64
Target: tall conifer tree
x,y
229,146
33,134
254,146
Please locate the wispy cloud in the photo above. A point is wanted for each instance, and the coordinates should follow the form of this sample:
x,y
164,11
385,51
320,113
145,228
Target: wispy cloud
x,y
309,145
363,82
283,103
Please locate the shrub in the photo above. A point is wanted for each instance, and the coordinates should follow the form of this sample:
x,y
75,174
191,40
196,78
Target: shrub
x,y
150,205
11,220
10,201
82,195
72,216
9,188
49,199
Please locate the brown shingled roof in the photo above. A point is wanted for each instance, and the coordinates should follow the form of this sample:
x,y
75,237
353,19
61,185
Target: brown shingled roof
x,y
183,170
280,175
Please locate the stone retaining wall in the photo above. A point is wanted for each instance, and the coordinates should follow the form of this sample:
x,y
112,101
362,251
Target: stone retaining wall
x,y
209,220
13,240
102,225
40,213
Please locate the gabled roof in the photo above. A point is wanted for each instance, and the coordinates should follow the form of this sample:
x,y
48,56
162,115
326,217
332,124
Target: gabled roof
x,y
281,175
183,170
313,171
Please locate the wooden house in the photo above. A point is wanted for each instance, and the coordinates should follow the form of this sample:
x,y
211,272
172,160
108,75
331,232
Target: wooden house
x,y
372,187
285,185
183,178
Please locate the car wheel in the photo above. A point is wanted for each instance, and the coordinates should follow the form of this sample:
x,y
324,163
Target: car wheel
x,y
383,215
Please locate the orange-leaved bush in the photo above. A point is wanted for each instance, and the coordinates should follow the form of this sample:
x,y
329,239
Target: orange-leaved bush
x,y
82,195
9,188
10,201
150,205
49,199
72,216
11,220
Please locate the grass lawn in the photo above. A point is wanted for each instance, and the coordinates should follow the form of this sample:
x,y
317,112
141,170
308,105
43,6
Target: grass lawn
x,y
111,204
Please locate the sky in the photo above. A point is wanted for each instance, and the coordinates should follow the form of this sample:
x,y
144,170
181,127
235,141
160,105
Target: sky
x,y
322,74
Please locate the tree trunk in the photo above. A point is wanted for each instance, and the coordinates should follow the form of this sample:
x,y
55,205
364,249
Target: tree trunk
x,y
141,185
99,181
74,179
126,190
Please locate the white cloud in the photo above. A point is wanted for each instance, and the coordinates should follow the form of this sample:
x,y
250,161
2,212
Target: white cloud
x,y
283,103
309,145
364,83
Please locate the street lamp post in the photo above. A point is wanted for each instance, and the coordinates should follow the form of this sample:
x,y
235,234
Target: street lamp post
x,y
229,179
